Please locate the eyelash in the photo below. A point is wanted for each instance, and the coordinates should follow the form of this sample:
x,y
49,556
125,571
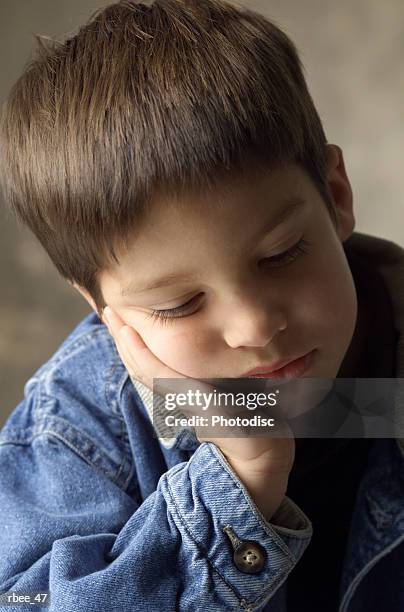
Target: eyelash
x,y
282,258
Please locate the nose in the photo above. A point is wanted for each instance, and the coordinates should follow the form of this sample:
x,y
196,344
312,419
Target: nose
x,y
249,322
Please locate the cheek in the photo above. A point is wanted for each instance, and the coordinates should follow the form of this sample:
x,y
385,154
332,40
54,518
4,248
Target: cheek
x,y
331,299
185,352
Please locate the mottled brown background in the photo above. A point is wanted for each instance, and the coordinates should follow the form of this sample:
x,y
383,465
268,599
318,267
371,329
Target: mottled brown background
x,y
353,52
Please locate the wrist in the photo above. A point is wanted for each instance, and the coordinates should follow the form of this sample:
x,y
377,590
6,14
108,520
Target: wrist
x,y
266,490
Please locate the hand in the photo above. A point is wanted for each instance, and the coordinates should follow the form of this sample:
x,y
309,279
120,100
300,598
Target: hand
x,y
256,460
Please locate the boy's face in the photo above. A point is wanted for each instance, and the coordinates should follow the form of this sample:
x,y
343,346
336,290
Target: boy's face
x,y
244,309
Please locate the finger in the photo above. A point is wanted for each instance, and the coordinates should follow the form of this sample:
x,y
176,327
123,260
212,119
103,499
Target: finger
x,y
114,324
119,328
127,361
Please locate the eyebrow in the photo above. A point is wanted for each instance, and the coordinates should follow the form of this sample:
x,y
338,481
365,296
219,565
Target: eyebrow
x,y
291,205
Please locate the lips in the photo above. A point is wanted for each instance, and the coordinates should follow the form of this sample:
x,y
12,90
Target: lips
x,y
278,367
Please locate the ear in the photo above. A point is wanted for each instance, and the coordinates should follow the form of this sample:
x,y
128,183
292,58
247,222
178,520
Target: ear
x,y
341,192
85,295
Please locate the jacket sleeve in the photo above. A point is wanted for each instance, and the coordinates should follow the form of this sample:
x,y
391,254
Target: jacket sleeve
x,y
68,529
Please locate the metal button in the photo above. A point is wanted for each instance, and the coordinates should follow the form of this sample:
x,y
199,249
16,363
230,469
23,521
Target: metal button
x,y
248,556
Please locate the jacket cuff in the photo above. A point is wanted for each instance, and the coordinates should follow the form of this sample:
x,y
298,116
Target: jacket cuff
x,y
218,499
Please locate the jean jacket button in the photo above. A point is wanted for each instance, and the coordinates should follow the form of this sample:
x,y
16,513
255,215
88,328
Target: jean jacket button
x,y
248,556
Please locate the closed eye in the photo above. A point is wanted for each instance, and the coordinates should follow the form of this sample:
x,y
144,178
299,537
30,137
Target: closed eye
x,y
281,259
173,313
288,256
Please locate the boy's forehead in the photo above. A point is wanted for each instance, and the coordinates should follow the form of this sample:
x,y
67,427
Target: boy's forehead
x,y
168,262
244,203
244,209
273,185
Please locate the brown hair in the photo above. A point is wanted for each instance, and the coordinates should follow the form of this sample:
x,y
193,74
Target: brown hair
x,y
148,97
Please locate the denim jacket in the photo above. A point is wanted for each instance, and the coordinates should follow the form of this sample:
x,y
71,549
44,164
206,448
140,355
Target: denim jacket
x,y
105,516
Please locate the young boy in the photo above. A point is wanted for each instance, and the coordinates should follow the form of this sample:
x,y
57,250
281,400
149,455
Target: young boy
x,y
170,160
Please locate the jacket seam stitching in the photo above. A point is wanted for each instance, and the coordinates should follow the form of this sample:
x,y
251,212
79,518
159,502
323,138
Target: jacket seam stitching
x,y
50,432
73,448
43,397
200,548
350,592
125,460
241,600
267,528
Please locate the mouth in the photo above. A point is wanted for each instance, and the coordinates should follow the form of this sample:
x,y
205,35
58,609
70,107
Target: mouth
x,y
286,368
